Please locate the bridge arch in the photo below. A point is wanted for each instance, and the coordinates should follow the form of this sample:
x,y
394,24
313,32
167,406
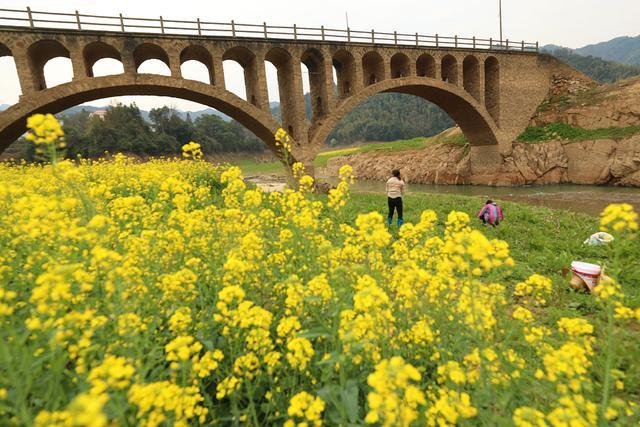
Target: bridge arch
x,y
200,54
473,119
372,68
61,97
344,63
39,54
96,51
149,51
426,66
400,65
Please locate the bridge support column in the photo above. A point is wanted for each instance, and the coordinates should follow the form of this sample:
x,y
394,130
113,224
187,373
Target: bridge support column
x,y
294,118
261,85
128,63
218,70
79,65
28,80
255,95
357,83
326,83
485,160
481,83
174,64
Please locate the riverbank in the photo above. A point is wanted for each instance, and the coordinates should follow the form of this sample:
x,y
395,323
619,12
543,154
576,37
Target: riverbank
x,y
590,136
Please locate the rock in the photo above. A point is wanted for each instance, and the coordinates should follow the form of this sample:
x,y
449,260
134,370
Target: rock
x,y
589,161
631,180
627,157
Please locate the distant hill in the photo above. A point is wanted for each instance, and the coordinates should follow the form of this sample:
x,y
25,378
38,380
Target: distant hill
x,y
597,68
625,50
145,114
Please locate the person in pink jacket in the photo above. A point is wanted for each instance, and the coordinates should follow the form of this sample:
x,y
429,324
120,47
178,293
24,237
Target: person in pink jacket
x,y
490,214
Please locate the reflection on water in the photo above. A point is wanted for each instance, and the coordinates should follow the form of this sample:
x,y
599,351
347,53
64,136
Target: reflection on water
x,y
590,199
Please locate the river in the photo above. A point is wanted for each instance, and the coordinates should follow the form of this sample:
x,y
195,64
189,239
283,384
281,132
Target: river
x,y
589,199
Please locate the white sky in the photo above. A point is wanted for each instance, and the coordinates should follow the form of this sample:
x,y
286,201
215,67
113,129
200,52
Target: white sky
x,y
572,23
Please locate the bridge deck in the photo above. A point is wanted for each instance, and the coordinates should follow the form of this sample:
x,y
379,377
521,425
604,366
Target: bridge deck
x,y
27,18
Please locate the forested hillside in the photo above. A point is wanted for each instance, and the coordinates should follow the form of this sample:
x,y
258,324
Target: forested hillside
x,y
596,68
389,117
124,129
621,49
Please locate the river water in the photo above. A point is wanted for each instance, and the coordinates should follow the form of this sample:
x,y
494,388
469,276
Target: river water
x,y
589,199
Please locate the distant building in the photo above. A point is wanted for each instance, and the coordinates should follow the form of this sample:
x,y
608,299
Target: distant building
x,y
99,114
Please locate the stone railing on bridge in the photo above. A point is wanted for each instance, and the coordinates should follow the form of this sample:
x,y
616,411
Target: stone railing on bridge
x,y
79,21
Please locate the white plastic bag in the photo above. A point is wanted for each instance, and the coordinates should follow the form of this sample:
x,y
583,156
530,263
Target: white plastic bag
x,y
598,239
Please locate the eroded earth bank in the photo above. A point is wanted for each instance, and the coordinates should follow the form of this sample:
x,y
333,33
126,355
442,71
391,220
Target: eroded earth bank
x,y
581,134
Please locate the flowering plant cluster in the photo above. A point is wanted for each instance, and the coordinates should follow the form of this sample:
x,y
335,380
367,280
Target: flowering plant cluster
x,y
183,297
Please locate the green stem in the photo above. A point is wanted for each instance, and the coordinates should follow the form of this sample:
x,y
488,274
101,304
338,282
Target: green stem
x,y
252,406
609,361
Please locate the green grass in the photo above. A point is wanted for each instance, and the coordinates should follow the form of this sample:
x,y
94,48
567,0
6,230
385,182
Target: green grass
x,y
251,167
543,241
565,132
400,145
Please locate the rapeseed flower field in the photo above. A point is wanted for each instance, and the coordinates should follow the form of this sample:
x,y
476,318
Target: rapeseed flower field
x,y
170,293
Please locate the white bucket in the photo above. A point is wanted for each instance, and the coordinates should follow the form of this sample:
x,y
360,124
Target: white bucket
x,y
589,273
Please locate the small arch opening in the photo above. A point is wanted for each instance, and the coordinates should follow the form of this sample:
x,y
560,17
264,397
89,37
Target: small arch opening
x,y
196,63
313,61
234,78
9,73
281,65
344,64
106,67
400,66
58,71
195,70
492,87
373,67
154,66
471,76
426,66
240,73
305,73
105,54
449,70
150,58
40,54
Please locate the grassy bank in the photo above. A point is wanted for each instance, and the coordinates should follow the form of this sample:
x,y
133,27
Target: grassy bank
x,y
565,132
543,241
251,167
400,145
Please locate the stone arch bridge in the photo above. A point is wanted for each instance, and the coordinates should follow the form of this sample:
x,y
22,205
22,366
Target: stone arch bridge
x,y
489,89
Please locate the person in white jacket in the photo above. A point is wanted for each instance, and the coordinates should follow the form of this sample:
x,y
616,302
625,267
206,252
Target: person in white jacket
x,y
395,190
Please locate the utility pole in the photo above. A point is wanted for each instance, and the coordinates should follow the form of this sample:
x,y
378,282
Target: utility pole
x,y
346,15
500,15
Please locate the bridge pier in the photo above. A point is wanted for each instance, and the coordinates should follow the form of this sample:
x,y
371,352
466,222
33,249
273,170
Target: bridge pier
x,y
484,161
